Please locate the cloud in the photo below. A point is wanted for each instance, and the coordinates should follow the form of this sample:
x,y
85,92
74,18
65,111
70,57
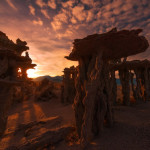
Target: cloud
x,y
52,4
40,3
90,16
62,17
68,3
87,2
51,68
10,3
32,10
38,22
59,20
79,13
67,34
73,20
56,25
45,13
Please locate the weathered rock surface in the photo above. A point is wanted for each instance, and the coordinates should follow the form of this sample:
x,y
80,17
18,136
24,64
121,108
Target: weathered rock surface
x,y
6,96
33,128
130,70
92,104
4,107
47,139
42,133
114,44
13,67
45,91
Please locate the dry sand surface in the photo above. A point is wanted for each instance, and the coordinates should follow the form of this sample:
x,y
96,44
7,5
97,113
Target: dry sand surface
x,y
30,119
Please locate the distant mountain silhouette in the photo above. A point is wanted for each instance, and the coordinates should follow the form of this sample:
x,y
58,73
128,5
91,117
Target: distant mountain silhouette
x,y
55,79
60,78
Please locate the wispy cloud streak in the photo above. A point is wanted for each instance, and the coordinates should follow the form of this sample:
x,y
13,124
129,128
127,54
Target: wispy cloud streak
x,y
10,3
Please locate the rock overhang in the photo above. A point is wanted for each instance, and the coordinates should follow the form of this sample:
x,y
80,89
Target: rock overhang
x,y
113,45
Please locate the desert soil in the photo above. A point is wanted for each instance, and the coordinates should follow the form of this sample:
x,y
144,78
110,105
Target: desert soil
x,y
131,130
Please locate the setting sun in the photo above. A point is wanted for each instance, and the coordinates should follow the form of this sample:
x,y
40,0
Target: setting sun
x,y
32,73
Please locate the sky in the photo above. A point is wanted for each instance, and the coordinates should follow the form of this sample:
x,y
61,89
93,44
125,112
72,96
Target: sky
x,y
50,26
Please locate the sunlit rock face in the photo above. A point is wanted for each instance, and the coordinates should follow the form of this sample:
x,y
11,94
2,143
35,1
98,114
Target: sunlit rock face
x,y
95,85
10,62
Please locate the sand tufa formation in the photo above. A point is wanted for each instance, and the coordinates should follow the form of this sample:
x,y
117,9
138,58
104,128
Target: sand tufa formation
x,y
95,83
13,67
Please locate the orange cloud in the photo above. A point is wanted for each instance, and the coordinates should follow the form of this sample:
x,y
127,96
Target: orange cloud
x,y
79,13
73,20
40,3
56,25
38,22
52,4
88,2
10,3
59,20
45,13
32,10
48,61
68,3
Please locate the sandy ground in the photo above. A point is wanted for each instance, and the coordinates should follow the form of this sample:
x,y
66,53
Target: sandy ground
x,y
131,130
29,111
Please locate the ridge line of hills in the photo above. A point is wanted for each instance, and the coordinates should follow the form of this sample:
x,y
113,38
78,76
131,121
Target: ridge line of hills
x,y
60,78
55,79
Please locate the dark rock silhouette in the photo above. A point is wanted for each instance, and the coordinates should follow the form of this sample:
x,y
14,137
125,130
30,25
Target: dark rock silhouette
x,y
10,63
113,44
129,70
68,90
45,90
55,79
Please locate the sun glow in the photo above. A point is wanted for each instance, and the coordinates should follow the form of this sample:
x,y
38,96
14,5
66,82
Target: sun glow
x,y
32,73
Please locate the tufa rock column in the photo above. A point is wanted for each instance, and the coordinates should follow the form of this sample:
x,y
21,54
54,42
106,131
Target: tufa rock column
x,y
92,103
